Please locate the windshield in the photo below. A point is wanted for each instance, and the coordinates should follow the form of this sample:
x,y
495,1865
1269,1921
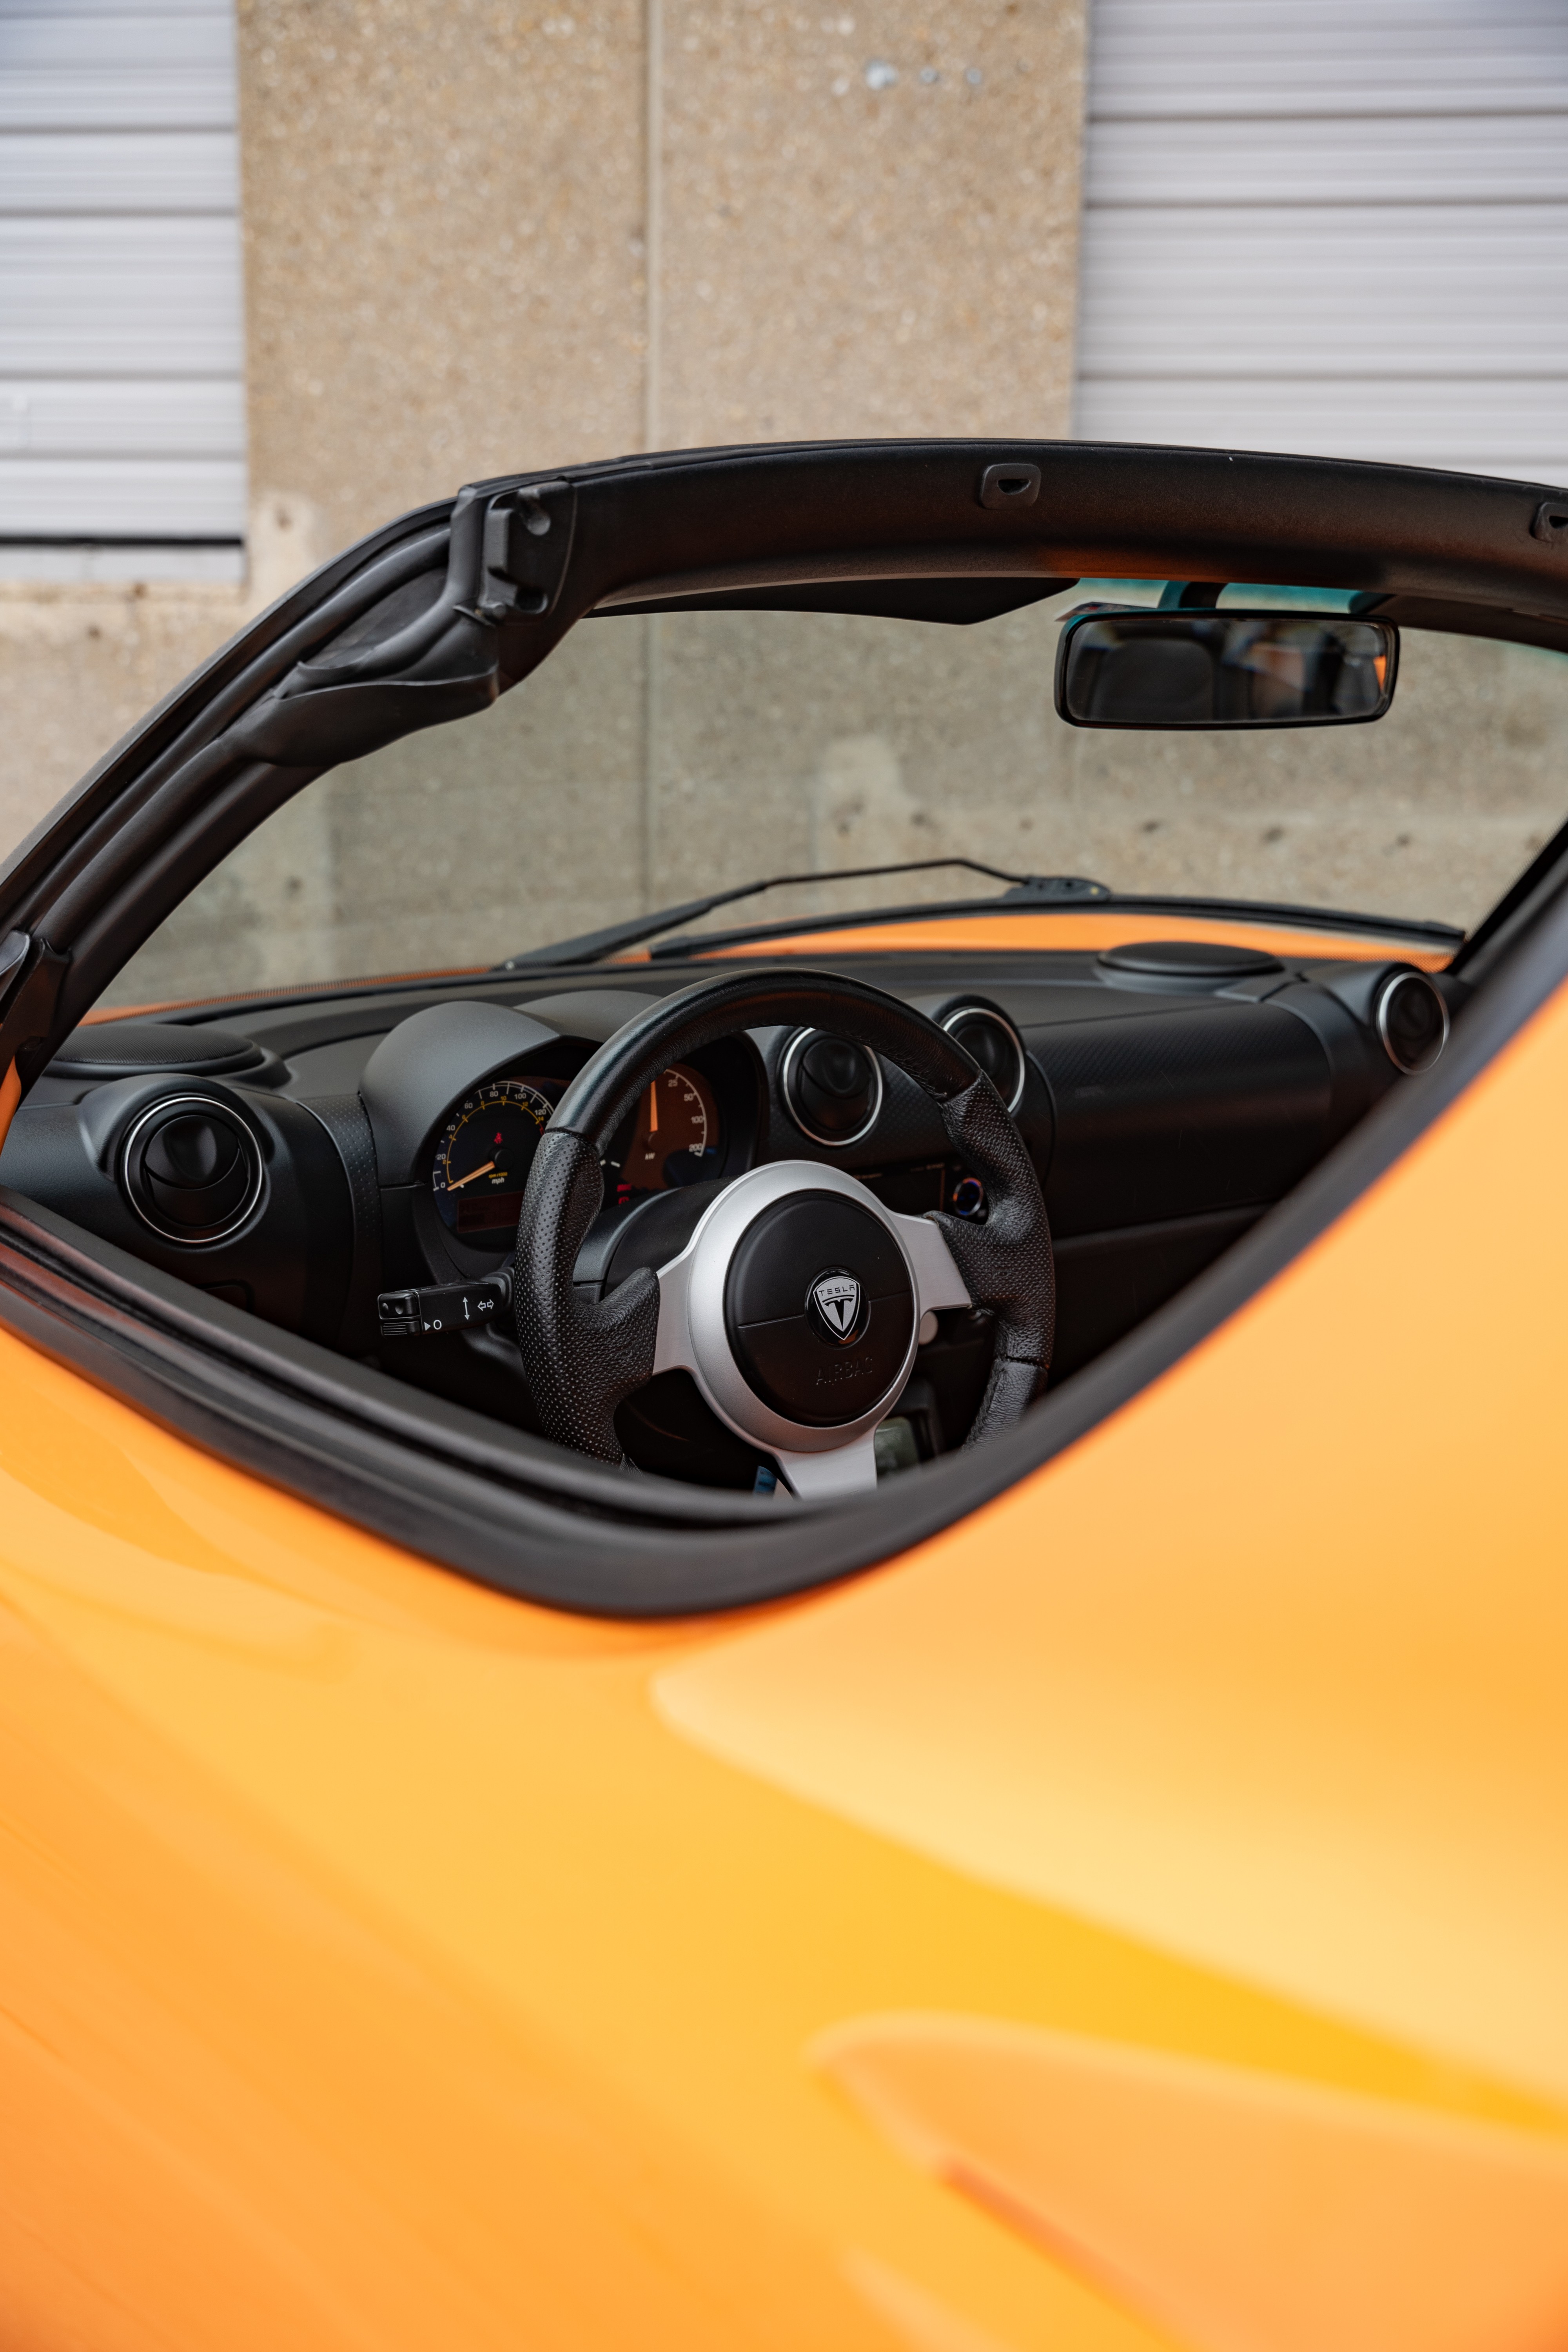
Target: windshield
x,y
656,759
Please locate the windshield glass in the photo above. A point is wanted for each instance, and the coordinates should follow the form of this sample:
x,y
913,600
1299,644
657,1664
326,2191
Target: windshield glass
x,y
655,759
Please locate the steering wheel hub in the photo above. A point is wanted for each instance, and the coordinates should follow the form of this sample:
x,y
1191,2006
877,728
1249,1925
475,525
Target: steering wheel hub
x,y
796,1306
819,1343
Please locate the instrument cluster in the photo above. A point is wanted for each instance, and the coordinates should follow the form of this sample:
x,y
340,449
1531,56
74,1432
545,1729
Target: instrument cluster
x,y
487,1142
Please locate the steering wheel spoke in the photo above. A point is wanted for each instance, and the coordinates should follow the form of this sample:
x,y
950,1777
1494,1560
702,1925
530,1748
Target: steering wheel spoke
x,y
938,1282
672,1346
800,1301
828,1477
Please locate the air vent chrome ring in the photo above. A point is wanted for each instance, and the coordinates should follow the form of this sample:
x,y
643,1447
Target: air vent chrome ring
x,y
191,1168
1412,1022
1012,1064
793,1083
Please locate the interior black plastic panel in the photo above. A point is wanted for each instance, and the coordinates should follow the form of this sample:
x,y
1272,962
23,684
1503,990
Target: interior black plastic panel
x,y
422,1065
291,1263
1179,1109
1164,1115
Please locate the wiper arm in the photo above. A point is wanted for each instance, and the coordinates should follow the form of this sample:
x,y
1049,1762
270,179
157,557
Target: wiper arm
x,y
591,945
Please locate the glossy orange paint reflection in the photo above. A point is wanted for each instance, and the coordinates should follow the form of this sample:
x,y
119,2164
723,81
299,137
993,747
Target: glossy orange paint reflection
x,y
1250,2212
383,1961
375,1970
1268,1669
10,1095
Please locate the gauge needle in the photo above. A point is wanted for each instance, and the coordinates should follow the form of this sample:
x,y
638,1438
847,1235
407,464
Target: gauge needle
x,y
458,1182
653,1108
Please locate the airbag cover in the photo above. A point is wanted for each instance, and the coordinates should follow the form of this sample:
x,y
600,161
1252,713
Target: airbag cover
x,y
821,1361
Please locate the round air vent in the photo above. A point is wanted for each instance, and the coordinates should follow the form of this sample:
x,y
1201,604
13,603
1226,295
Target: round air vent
x,y
192,1169
833,1089
989,1038
1412,1021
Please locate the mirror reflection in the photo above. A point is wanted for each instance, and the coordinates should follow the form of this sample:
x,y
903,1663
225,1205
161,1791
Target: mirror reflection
x,y
1224,669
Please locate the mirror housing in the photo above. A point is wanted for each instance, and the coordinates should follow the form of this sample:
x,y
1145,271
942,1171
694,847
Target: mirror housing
x,y
1136,668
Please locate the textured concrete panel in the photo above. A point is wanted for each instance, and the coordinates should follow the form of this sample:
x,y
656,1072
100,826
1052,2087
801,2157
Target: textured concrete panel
x,y
442,205
653,759
802,742
450,850
865,222
78,667
867,219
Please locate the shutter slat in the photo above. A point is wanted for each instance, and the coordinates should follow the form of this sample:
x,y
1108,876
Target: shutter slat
x,y
66,417
122,391
1486,159
1265,266
118,497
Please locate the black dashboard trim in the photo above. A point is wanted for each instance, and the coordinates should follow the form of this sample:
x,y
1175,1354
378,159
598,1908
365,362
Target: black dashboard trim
x,y
427,1061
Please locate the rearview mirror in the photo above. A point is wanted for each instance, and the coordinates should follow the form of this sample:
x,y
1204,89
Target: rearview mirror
x,y
1224,669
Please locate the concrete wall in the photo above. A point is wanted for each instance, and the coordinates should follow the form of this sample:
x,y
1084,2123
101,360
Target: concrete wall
x,y
444,242
652,758
481,238
81,665
845,252
78,667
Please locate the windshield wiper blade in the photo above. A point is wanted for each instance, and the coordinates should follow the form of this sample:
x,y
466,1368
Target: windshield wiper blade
x,y
590,946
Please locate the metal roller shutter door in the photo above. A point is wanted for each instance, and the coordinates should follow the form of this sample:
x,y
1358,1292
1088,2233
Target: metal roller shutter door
x,y
122,387
1338,228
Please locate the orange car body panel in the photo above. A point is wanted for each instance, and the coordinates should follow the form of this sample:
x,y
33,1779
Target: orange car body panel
x,y
1077,927
385,1962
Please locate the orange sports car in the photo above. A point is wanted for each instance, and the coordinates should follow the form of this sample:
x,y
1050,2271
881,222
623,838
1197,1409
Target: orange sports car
x,y
783,1556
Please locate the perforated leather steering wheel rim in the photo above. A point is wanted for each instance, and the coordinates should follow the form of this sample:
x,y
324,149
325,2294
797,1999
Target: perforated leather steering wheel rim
x,y
582,1355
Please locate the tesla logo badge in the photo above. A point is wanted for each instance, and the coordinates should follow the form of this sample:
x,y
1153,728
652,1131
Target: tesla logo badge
x,y
834,1303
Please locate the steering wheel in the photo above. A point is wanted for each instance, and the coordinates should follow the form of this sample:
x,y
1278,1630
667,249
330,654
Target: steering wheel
x,y
798,1301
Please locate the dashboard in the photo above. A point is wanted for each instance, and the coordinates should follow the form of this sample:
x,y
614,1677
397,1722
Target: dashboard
x,y
300,1159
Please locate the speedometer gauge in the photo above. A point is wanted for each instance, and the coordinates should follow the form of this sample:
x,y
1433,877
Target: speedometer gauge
x,y
673,1137
484,1154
